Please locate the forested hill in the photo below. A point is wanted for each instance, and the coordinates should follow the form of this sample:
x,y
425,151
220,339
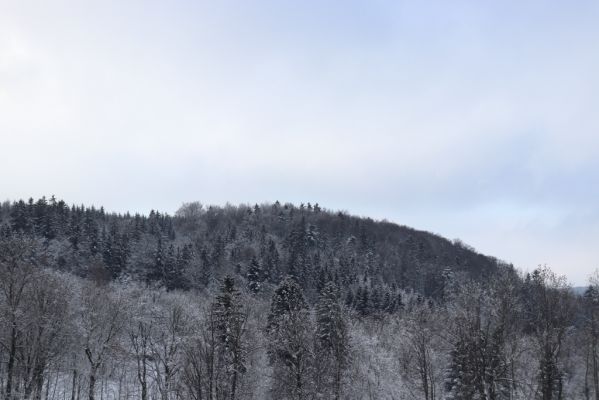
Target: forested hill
x,y
261,243
276,302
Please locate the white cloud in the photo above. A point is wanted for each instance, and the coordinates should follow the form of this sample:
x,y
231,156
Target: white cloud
x,y
468,119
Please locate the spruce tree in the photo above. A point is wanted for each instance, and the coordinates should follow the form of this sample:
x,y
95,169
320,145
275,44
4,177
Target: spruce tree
x,y
332,341
254,276
230,320
289,336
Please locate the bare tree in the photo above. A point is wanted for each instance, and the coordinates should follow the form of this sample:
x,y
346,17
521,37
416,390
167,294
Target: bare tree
x,y
101,319
172,330
140,330
47,320
17,273
419,345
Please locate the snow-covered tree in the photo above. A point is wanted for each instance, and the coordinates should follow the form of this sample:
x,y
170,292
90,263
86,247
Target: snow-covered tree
x,y
289,333
332,342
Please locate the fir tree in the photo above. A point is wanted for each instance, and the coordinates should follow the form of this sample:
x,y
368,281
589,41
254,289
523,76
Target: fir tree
x,y
332,340
289,350
254,276
230,320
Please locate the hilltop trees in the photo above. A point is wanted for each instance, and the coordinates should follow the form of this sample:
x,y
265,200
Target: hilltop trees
x,y
200,245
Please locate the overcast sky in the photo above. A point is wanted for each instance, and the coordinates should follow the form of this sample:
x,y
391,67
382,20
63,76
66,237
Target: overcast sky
x,y
476,120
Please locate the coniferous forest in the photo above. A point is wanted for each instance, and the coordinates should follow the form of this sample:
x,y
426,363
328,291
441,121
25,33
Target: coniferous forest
x,y
276,301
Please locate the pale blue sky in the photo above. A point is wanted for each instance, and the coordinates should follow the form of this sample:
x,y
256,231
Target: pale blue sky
x,y
476,120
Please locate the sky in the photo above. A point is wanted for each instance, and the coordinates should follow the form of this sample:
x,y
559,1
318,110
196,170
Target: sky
x,y
476,120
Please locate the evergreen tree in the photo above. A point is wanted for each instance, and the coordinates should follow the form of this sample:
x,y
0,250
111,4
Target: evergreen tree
x,y
289,333
349,299
20,220
272,263
332,341
460,381
254,276
363,301
156,272
230,320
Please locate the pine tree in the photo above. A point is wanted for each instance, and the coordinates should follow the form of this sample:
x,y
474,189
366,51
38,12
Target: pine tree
x,y
289,332
205,267
478,369
272,263
363,301
349,299
460,380
332,340
254,276
230,320
156,272
20,220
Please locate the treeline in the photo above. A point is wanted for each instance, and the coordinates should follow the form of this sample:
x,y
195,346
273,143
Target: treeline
x,y
66,337
258,244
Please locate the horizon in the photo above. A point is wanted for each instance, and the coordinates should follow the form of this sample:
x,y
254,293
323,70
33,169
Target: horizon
x,y
473,121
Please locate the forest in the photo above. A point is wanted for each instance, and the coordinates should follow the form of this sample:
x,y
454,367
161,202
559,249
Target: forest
x,y
277,301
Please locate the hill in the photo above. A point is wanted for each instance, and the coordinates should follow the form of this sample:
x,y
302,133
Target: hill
x,y
276,301
199,245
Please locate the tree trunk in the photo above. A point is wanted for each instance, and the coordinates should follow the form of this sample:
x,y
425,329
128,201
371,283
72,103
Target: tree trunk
x,y
595,366
234,377
298,382
142,377
92,383
74,387
144,391
338,381
39,381
586,375
11,361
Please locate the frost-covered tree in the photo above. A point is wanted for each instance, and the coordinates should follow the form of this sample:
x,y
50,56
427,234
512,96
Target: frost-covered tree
x,y
478,368
17,274
548,314
332,342
254,276
419,343
172,330
289,331
101,319
230,318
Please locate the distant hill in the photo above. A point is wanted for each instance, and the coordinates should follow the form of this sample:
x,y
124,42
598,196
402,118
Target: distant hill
x,y
579,290
263,242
